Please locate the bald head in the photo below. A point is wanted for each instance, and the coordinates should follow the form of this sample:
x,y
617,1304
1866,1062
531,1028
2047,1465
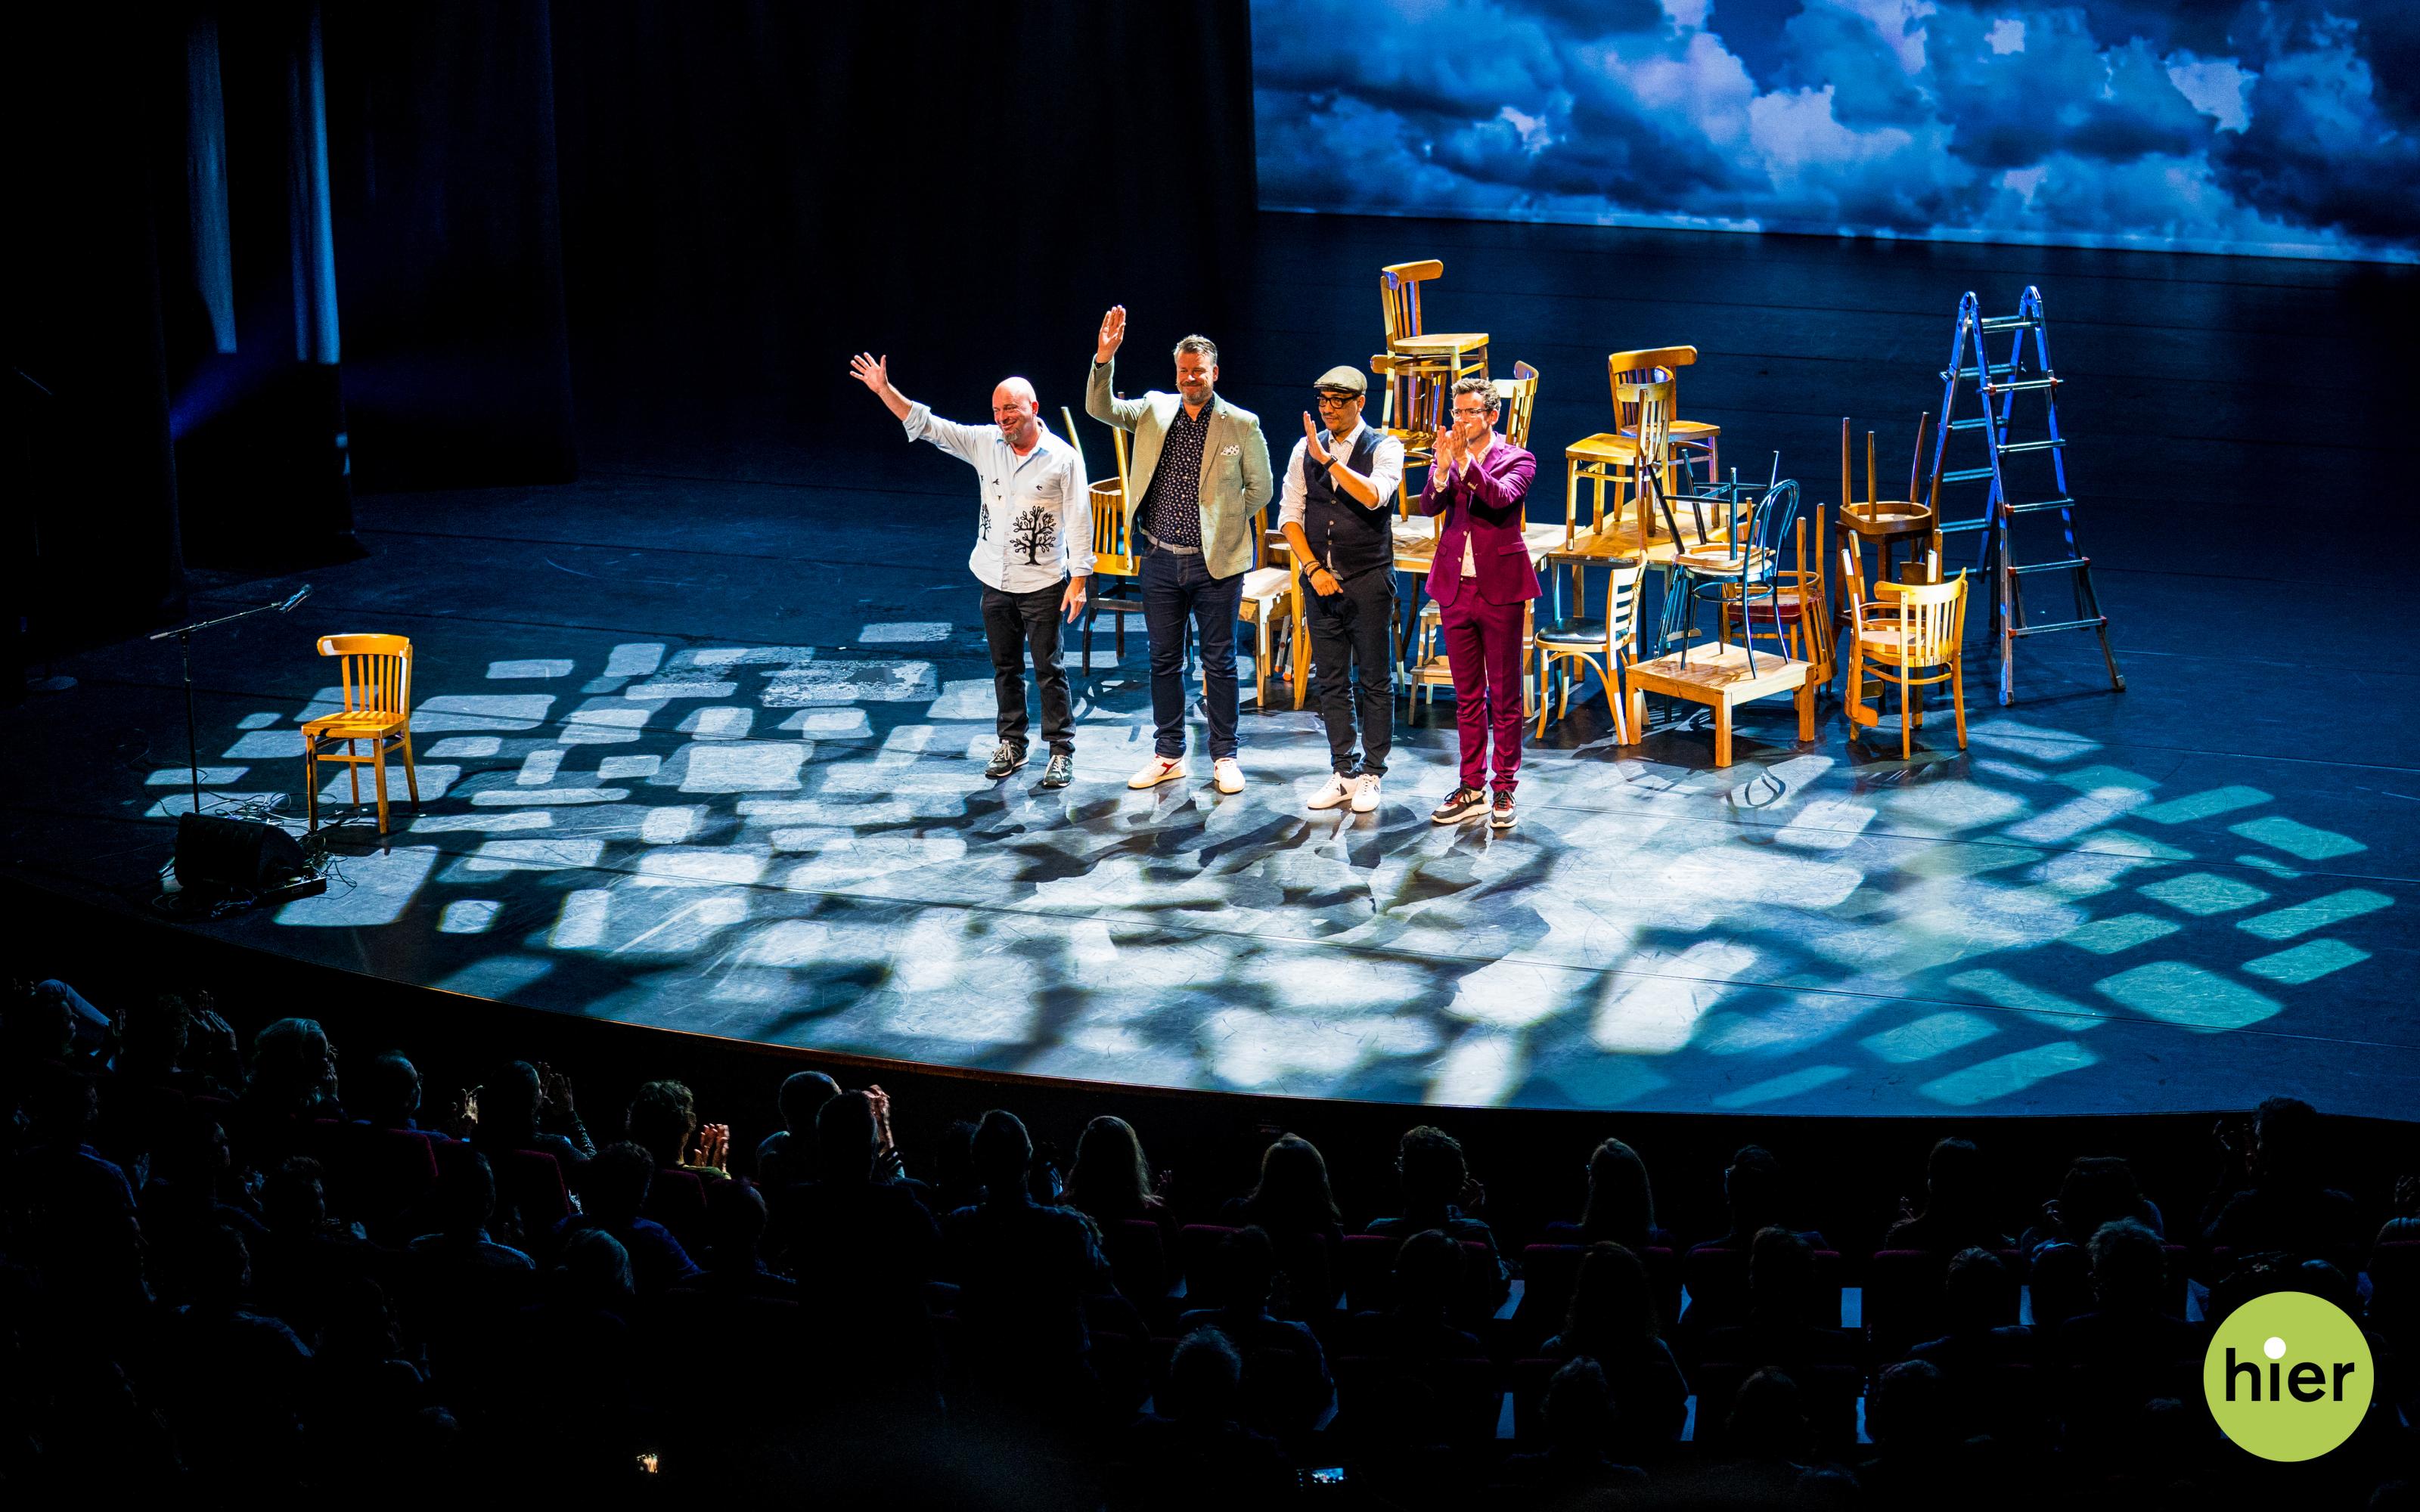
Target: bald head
x,y
1013,407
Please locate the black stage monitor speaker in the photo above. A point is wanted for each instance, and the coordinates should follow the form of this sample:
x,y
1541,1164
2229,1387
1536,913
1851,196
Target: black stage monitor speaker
x,y
215,851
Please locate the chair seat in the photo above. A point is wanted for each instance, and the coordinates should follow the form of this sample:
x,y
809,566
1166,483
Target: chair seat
x,y
1440,341
1602,447
1721,562
1684,428
360,725
1265,585
1583,631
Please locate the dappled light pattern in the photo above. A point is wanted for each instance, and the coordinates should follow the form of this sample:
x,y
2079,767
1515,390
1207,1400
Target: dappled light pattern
x,y
796,844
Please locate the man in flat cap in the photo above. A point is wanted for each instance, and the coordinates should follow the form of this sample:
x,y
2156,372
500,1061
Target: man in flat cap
x,y
1337,510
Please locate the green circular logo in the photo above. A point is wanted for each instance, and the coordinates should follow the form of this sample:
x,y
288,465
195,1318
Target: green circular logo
x,y
2287,1376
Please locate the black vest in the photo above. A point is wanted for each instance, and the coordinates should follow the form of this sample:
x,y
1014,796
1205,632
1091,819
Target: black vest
x,y
1348,537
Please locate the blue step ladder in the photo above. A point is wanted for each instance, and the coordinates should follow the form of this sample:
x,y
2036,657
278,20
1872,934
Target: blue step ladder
x,y
1995,388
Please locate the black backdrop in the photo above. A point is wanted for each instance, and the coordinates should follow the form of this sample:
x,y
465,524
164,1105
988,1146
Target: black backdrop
x,y
622,233
752,192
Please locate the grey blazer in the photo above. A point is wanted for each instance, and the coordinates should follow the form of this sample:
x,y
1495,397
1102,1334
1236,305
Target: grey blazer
x,y
1235,478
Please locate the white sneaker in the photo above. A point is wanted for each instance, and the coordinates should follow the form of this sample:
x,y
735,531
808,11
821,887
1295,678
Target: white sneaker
x,y
1338,790
1157,770
1227,774
1365,792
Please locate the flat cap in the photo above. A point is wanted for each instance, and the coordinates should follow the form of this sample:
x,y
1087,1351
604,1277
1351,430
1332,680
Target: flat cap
x,y
1343,379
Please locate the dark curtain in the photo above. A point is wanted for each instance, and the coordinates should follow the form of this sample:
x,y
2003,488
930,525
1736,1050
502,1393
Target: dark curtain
x,y
449,263
89,538
752,191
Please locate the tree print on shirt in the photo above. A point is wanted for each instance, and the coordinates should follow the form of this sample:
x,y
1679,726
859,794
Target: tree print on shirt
x,y
1034,533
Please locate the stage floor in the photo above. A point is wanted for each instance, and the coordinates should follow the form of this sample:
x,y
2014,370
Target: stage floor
x,y
704,752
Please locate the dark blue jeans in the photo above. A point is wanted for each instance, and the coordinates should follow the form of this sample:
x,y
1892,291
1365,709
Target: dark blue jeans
x,y
1176,585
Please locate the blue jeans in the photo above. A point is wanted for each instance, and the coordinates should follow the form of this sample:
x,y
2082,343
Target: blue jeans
x,y
1174,585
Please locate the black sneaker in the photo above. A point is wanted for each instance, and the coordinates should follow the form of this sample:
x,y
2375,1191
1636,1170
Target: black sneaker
x,y
1458,805
1006,757
1060,770
1501,815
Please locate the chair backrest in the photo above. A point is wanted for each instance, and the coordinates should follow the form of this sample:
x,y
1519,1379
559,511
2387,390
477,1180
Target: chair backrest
x,y
1643,403
1931,618
1399,297
1853,579
1656,365
1769,523
375,671
1518,394
1621,601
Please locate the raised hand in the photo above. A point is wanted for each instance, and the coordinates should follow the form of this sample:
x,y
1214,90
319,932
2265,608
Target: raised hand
x,y
1113,332
872,371
713,1147
1310,446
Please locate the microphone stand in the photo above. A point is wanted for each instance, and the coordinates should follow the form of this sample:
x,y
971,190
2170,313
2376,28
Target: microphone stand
x,y
184,634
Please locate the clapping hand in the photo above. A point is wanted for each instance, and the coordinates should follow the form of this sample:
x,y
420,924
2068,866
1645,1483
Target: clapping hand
x,y
1450,451
1310,446
555,1092
713,1147
1113,332
872,371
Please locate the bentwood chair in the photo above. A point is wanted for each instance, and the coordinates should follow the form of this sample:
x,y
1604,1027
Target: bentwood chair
x,y
1271,605
376,672
1518,398
1115,562
1419,367
1919,625
1744,562
1887,522
1803,599
1604,644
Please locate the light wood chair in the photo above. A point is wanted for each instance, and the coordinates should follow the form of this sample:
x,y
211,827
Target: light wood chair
x,y
1115,562
375,672
1918,626
1605,645
1272,599
1518,398
1419,367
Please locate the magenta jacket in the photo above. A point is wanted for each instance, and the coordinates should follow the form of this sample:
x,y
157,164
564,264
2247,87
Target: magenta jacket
x,y
1484,504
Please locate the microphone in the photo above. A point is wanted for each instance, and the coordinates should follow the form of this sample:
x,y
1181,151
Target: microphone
x,y
300,594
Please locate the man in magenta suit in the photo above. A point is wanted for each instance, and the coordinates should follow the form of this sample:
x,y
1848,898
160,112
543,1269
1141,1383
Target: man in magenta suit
x,y
1483,581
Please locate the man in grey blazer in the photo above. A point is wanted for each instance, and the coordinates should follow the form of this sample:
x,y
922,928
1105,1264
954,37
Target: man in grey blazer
x,y
1192,521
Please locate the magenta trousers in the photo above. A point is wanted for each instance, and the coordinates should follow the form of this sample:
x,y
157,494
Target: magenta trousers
x,y
1482,641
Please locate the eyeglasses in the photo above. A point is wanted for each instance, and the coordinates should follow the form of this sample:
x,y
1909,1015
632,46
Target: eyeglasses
x,y
1465,412
1326,399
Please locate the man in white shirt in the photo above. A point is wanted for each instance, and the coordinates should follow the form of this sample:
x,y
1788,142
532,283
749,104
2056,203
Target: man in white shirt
x,y
1033,549
1337,508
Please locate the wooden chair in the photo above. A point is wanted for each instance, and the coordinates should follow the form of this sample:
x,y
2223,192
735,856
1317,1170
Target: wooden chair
x,y
1803,597
1115,560
1518,398
1419,367
375,671
1605,645
1887,522
1742,564
1272,597
1921,625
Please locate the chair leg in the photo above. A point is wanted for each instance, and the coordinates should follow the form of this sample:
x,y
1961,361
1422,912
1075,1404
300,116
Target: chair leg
x,y
1261,663
1906,729
1958,694
378,775
411,772
353,768
310,784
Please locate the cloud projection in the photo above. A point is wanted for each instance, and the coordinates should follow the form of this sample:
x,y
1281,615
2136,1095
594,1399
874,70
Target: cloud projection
x,y
2277,126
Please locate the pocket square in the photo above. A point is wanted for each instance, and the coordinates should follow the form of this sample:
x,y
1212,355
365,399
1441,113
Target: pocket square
x,y
1231,451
